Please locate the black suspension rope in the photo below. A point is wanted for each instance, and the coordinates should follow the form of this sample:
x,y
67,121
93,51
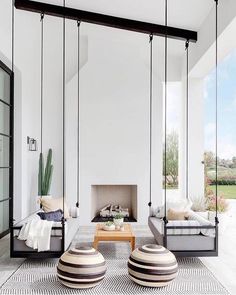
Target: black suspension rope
x,y
78,120
41,93
187,118
165,106
63,108
216,107
150,121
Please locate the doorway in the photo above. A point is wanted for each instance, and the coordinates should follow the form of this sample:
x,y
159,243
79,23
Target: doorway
x,y
6,147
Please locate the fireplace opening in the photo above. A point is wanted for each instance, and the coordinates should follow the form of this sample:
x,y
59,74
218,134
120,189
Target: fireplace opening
x,y
109,200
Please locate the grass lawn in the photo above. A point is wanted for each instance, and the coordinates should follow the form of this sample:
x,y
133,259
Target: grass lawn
x,y
229,191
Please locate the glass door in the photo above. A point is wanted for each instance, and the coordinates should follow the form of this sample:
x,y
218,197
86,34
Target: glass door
x,y
6,147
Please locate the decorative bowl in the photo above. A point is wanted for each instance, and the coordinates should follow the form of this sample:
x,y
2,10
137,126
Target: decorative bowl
x,y
108,226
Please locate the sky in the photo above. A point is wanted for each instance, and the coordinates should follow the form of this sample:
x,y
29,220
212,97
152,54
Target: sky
x,y
226,108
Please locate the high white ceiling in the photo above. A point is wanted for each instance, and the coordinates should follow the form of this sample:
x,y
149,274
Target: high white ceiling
x,y
188,14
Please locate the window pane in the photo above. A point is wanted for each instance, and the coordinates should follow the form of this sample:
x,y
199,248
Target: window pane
x,y
4,216
226,152
4,151
4,184
4,118
4,86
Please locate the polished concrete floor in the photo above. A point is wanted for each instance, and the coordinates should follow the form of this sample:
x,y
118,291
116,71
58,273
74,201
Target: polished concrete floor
x,y
7,265
223,266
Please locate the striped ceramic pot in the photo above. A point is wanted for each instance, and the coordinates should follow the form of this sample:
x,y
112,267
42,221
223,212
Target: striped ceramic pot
x,y
152,266
81,268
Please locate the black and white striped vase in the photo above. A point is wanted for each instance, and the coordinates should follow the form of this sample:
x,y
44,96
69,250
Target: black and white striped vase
x,y
152,266
81,268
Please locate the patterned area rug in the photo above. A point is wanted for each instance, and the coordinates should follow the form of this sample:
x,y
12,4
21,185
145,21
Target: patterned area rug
x,y
39,277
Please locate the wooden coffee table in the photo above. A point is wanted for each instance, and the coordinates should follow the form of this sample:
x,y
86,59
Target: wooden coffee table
x,y
114,236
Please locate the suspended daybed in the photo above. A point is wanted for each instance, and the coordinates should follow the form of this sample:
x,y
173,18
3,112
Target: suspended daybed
x,y
63,231
196,236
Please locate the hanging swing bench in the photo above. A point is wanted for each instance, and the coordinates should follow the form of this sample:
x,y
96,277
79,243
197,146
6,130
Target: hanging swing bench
x,y
195,236
62,232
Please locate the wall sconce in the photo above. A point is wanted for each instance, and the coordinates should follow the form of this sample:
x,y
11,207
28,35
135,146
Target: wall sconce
x,y
32,144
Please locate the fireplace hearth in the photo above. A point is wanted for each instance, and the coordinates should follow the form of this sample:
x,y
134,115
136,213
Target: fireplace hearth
x,y
105,219
110,200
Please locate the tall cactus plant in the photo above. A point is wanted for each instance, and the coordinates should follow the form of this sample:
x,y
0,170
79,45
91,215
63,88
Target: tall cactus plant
x,y
45,175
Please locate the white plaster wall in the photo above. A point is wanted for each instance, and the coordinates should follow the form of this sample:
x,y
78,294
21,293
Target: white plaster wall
x,y
182,137
52,100
71,141
196,138
114,118
26,59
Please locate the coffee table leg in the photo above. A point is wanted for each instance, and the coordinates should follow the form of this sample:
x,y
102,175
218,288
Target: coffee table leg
x,y
95,243
132,242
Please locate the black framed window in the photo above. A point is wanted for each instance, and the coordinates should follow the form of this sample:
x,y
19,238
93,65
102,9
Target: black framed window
x,y
6,148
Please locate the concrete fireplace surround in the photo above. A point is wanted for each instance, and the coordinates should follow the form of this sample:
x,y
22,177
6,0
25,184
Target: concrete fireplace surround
x,y
124,195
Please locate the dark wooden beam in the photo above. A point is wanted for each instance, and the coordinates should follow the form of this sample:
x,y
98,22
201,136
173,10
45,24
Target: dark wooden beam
x,y
106,20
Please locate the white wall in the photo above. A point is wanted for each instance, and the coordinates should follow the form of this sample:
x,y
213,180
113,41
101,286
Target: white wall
x,y
196,138
195,168
26,59
71,141
114,118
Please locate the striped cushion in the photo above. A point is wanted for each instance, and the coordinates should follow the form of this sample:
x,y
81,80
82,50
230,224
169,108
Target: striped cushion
x,y
152,266
81,268
183,231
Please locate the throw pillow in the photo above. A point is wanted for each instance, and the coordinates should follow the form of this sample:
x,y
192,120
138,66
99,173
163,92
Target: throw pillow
x,y
179,204
53,204
158,212
177,215
51,216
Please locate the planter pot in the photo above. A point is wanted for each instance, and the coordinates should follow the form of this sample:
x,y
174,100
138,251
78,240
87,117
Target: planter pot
x,y
46,197
109,227
42,197
118,222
